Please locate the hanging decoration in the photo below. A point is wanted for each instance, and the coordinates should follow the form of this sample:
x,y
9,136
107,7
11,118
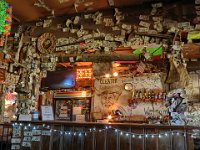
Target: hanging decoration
x,y
5,18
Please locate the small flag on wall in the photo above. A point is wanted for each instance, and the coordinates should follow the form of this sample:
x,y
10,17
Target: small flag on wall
x,y
141,67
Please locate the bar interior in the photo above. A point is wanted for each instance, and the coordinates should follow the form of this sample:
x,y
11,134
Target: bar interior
x,y
100,75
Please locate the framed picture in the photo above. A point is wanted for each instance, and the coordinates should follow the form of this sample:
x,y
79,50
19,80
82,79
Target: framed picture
x,y
63,109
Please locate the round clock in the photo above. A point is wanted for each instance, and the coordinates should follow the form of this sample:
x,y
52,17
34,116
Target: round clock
x,y
128,86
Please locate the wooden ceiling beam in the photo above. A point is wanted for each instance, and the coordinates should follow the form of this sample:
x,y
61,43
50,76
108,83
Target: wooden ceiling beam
x,y
97,57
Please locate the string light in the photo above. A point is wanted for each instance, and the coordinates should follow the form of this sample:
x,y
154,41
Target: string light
x,y
84,73
125,133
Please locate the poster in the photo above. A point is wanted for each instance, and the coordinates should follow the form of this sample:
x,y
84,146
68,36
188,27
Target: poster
x,y
110,95
63,109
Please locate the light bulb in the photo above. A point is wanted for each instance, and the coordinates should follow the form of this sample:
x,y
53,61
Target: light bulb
x,y
107,75
115,74
109,117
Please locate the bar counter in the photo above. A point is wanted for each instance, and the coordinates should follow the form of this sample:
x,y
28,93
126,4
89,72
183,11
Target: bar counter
x,y
110,136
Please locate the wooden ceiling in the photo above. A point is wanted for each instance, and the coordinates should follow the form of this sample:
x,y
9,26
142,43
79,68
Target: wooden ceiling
x,y
25,10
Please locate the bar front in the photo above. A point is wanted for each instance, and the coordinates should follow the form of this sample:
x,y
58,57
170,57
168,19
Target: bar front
x,y
105,136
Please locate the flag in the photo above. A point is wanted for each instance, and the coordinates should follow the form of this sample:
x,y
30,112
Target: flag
x,y
141,67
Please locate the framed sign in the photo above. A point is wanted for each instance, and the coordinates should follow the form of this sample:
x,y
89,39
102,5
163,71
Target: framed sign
x,y
47,113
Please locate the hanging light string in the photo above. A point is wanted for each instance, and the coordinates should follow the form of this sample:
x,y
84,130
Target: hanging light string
x,y
194,134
